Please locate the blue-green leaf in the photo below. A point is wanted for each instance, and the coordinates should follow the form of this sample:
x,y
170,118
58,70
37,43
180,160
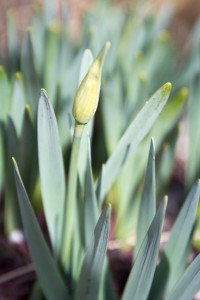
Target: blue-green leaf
x,y
50,67
51,169
168,272
4,94
193,162
28,155
48,274
90,207
90,275
189,284
11,214
29,73
134,135
111,104
141,276
18,103
148,201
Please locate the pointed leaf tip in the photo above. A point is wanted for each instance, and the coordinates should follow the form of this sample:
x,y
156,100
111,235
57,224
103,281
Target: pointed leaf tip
x,y
184,92
43,90
27,108
168,85
108,44
153,143
14,161
29,29
18,75
165,200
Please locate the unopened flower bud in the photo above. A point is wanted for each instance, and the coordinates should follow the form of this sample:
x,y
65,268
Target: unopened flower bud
x,y
87,95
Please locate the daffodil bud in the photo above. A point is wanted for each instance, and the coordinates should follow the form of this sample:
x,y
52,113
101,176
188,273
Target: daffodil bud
x,y
87,95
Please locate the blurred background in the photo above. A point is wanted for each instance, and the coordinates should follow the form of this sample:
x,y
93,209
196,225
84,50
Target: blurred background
x,y
186,13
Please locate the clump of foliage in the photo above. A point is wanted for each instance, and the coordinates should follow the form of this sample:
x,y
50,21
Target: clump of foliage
x,y
141,59
71,219
74,191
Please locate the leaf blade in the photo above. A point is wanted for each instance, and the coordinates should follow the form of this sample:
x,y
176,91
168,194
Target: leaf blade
x,y
89,279
51,169
148,201
45,265
90,207
188,284
141,276
168,271
134,135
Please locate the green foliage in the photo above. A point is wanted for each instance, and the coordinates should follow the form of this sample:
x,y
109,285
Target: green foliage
x,y
51,166
74,190
45,265
148,200
141,276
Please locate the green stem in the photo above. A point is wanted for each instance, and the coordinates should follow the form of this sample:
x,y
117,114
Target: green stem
x,y
71,210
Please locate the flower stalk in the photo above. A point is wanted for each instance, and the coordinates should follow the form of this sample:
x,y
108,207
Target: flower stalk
x,y
84,107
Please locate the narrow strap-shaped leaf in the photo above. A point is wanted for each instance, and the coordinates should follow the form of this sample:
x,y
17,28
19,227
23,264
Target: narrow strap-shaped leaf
x,y
80,200
189,284
28,68
50,66
107,289
168,271
90,207
111,104
141,276
134,134
48,274
91,218
28,156
99,187
166,162
163,125
4,94
48,11
89,279
51,169
169,116
193,110
12,219
18,102
148,201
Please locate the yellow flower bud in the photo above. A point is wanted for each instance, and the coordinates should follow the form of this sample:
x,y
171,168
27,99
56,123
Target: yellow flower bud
x,y
87,95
